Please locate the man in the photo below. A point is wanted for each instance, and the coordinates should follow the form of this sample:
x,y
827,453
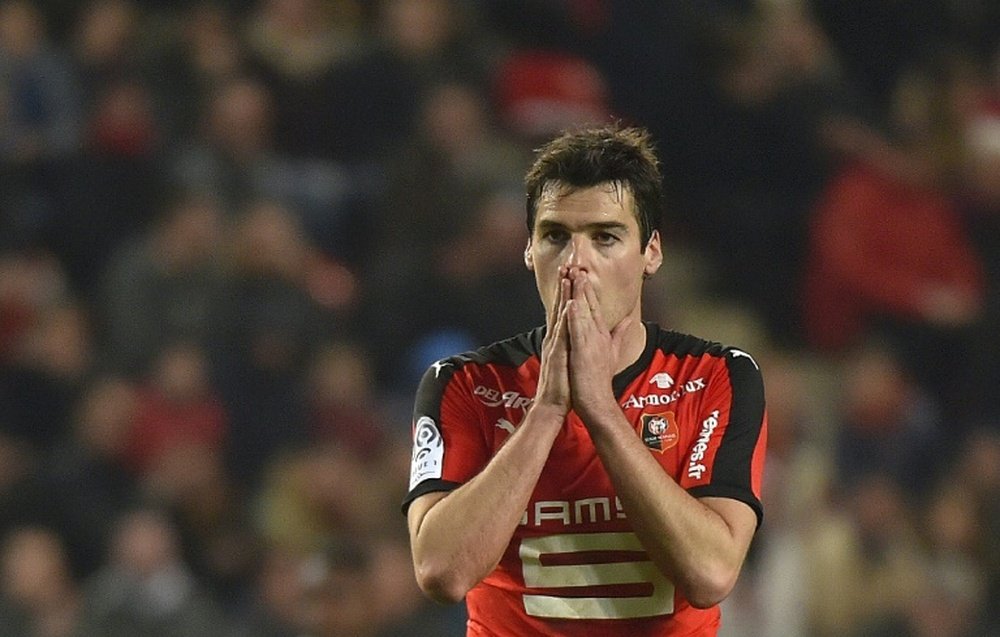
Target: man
x,y
598,476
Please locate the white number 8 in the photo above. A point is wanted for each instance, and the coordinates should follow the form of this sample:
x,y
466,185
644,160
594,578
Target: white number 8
x,y
537,575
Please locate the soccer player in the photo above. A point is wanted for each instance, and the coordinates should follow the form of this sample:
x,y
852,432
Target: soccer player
x,y
598,475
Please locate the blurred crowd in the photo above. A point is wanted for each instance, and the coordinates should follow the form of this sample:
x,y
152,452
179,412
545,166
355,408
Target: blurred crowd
x,y
233,234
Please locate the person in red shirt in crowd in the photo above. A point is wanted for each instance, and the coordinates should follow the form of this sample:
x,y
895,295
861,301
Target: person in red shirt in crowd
x,y
176,409
884,247
891,254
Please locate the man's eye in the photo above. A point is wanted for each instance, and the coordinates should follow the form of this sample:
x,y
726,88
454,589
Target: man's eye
x,y
605,238
556,236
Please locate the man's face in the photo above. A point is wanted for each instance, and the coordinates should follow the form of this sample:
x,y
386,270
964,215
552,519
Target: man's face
x,y
596,230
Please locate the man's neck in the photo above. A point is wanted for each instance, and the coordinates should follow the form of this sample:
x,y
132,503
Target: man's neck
x,y
633,346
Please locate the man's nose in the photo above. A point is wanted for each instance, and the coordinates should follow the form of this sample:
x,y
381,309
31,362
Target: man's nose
x,y
578,252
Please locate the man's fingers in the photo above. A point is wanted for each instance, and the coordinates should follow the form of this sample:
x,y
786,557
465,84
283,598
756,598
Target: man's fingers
x,y
558,308
595,309
559,335
553,314
585,307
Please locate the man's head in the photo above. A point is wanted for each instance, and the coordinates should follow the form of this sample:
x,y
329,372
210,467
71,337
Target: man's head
x,y
622,157
593,202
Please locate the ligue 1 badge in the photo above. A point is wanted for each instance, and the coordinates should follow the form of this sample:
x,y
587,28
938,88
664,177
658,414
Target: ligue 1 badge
x,y
659,431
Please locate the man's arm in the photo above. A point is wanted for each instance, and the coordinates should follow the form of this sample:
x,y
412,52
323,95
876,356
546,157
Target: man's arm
x,y
699,544
458,538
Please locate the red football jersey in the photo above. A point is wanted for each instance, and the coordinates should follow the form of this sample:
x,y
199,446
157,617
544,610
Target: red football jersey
x,y
574,567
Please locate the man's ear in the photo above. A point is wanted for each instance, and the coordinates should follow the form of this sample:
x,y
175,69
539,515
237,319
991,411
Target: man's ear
x,y
529,261
653,255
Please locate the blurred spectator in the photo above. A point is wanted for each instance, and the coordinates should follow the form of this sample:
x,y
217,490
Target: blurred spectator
x,y
889,249
87,483
176,450
176,408
300,47
39,597
302,39
206,51
40,104
886,423
343,406
229,156
22,498
163,285
318,496
980,198
486,289
744,156
774,586
407,610
146,587
213,526
336,600
40,116
540,93
948,601
370,101
275,607
32,282
864,558
945,607
266,323
438,180
107,41
232,158
46,374
978,475
113,183
876,43
435,40
113,176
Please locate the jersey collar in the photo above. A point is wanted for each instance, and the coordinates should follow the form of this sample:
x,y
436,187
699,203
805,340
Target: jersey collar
x,y
625,377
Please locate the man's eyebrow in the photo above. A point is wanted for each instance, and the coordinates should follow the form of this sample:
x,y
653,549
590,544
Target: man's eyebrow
x,y
546,224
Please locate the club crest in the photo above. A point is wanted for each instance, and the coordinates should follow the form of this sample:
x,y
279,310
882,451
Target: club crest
x,y
659,431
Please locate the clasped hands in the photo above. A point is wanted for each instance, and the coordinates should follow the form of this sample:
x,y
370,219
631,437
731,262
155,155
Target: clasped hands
x,y
579,353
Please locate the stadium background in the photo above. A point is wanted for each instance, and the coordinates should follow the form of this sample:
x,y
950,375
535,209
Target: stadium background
x,y
232,235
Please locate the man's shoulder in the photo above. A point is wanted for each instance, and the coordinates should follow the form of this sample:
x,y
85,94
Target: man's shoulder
x,y
507,354
490,371
513,351
681,344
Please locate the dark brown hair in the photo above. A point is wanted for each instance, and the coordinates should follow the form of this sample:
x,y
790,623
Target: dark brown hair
x,y
610,154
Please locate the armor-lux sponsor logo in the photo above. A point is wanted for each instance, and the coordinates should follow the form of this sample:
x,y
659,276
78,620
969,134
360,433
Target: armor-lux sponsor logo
x,y
695,468
653,400
494,398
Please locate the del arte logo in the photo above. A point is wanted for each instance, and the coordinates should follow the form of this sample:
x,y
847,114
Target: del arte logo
x,y
494,398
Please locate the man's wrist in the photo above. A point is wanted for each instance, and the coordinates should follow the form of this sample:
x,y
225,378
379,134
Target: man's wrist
x,y
600,417
547,412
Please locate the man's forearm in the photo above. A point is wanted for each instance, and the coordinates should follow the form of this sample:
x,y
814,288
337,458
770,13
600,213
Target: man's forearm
x,y
694,544
461,537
